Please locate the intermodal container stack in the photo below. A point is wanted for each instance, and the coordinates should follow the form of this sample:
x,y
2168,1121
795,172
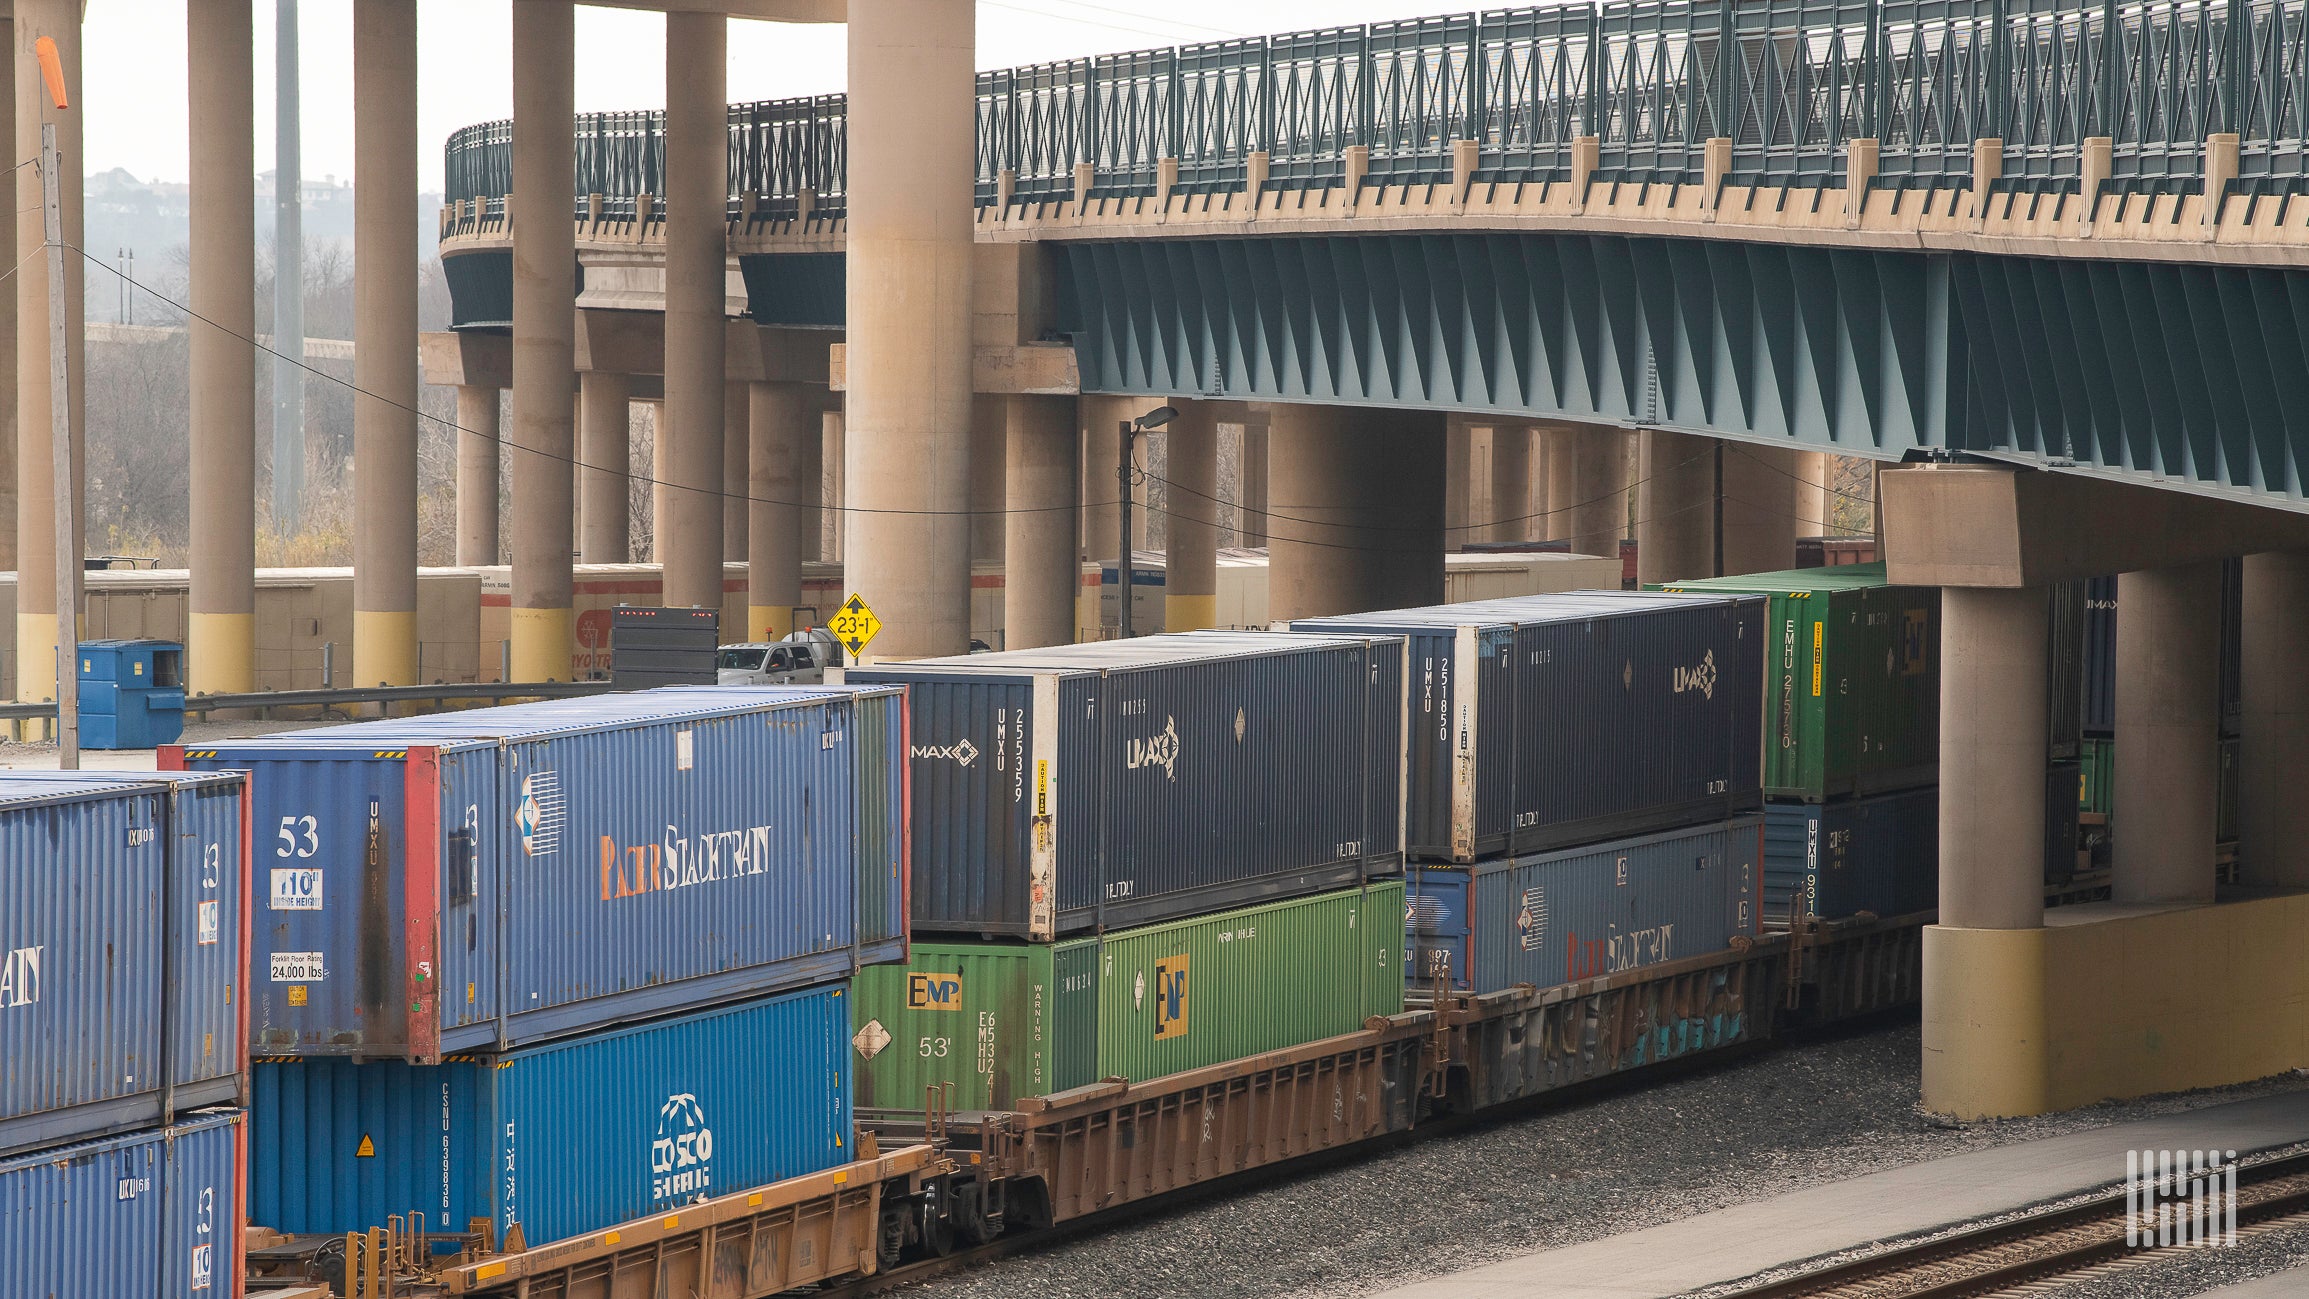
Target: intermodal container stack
x,y
123,1057
1138,857
1584,782
566,963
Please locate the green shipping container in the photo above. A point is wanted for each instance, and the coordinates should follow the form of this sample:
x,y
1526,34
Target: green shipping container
x,y
1852,695
1000,1021
2099,753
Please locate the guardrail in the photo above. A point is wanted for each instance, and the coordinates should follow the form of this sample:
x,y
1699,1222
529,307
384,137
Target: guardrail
x,y
264,701
1788,81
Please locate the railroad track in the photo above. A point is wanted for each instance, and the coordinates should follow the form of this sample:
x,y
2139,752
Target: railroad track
x,y
2034,1253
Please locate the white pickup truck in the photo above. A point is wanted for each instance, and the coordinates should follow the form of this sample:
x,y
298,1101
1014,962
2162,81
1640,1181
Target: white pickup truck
x,y
799,660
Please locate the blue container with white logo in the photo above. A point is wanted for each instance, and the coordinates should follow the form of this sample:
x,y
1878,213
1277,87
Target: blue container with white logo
x,y
493,878
1541,721
562,1139
1580,913
153,1212
123,909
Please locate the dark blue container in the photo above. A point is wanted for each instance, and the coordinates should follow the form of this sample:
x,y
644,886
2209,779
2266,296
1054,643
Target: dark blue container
x,y
565,1138
509,875
155,1212
1577,913
1130,782
2100,651
123,938
1543,721
1832,860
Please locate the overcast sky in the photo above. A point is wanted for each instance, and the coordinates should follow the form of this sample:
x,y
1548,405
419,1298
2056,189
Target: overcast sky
x,y
134,68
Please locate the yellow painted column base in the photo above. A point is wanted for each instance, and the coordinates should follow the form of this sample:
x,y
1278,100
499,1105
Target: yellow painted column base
x,y
769,622
544,644
1986,1053
1086,626
220,653
1190,612
35,669
384,648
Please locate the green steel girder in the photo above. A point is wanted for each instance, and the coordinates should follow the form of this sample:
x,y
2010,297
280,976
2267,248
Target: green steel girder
x,y
2163,372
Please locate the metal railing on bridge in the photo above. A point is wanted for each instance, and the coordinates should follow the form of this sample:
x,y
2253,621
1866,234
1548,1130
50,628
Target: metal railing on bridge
x,y
1788,81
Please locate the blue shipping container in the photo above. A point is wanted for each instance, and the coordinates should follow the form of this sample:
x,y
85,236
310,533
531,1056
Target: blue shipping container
x,y
123,937
1577,913
1542,721
565,1138
504,876
155,1212
1880,855
1130,782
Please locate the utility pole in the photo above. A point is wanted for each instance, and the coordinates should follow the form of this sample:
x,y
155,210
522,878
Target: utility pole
x,y
288,278
67,473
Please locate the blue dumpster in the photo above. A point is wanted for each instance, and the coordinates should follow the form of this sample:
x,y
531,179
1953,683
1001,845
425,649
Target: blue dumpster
x,y
131,693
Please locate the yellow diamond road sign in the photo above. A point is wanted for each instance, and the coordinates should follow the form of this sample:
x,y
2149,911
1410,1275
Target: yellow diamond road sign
x,y
855,625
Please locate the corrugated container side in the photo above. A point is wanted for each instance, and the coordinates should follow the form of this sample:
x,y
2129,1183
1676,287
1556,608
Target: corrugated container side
x,y
2064,668
974,798
154,1212
880,754
565,1138
1837,859
995,1020
2225,793
1198,992
2097,768
2061,837
2100,650
121,949
511,875
1573,914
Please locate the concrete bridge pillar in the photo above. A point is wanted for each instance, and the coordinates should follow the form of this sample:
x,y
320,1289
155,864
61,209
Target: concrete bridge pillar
x,y
478,420
1757,504
1458,437
1518,463
989,434
605,480
220,650
1815,504
2273,757
834,452
737,461
911,204
2168,726
781,422
1359,499
1041,561
37,599
1588,482
810,476
1191,554
385,339
690,517
1675,507
544,339
1252,480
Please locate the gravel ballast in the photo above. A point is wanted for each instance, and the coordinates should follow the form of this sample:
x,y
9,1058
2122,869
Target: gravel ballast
x,y
1549,1176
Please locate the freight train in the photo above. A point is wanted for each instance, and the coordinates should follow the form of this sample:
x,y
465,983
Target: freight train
x,y
816,978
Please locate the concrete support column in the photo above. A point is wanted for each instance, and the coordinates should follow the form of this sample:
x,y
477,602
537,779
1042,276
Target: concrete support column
x,y
544,339
1514,459
1675,507
2168,725
810,480
689,442
911,185
1758,504
834,451
1815,504
1253,479
1359,498
1041,564
8,339
478,475
1191,555
2273,751
605,480
1588,478
1458,446
37,484
385,341
1101,443
1992,758
220,650
989,435
780,421
737,460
